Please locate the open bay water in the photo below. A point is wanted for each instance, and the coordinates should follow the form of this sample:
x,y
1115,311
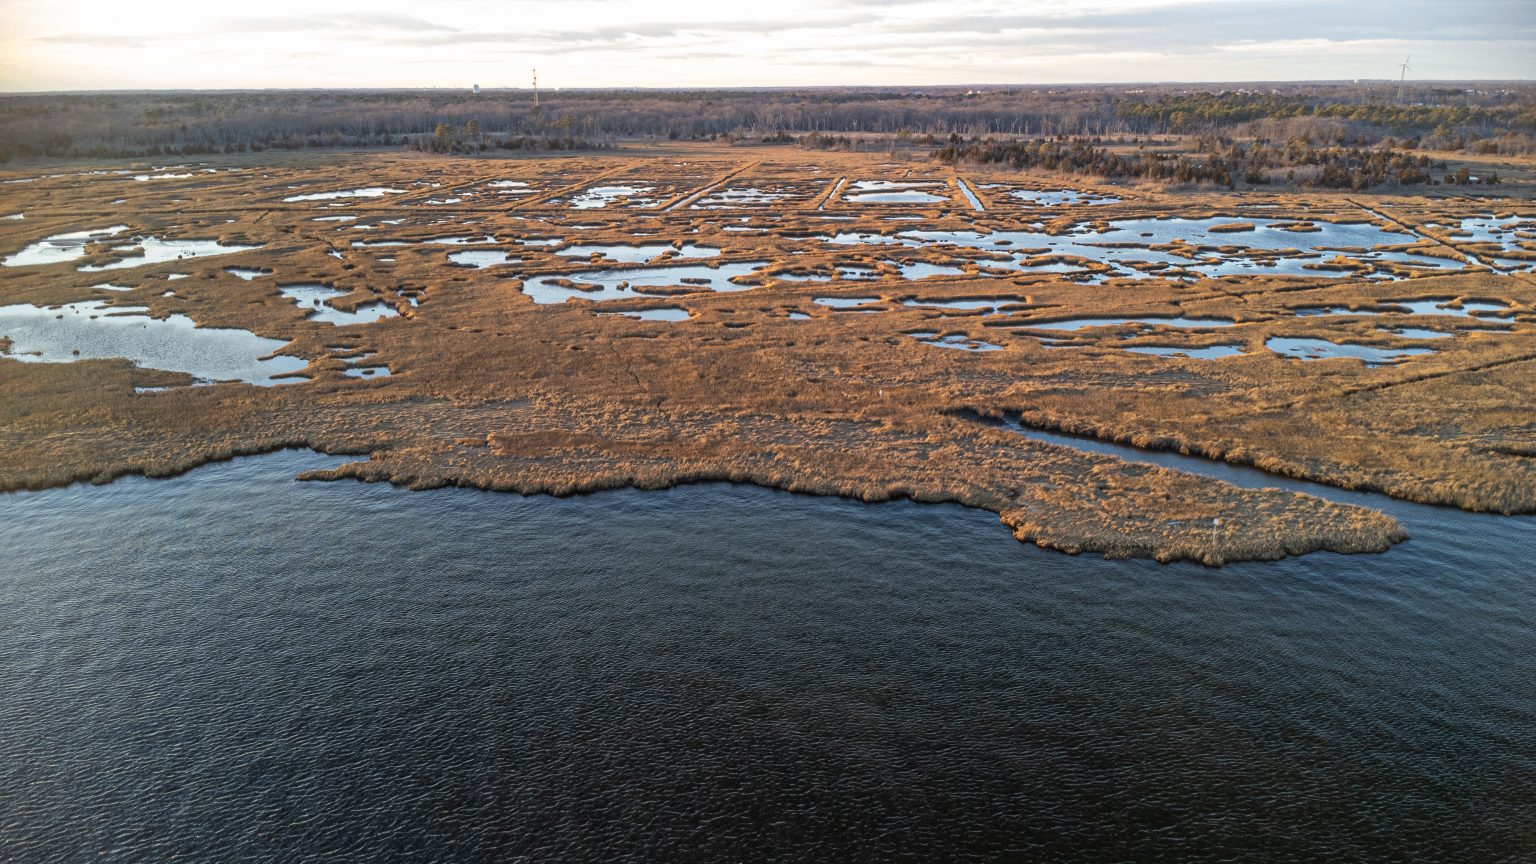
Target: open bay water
x,y
233,666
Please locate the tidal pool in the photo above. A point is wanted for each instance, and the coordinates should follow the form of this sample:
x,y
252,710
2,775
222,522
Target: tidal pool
x,y
850,272
1124,247
509,187
893,192
601,285
369,192
1266,234
728,198
844,302
1322,349
1211,352
367,372
1416,333
153,250
315,299
60,247
666,313
915,270
482,258
956,341
1490,229
482,240
1060,197
992,304
1149,321
599,197
1511,234
92,329
909,197
639,254
1442,307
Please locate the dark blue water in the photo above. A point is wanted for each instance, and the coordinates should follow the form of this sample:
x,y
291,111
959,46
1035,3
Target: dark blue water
x,y
232,666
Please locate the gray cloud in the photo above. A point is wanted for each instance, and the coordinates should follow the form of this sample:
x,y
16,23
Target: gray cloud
x,y
1185,24
1205,38
1226,21
640,31
1174,28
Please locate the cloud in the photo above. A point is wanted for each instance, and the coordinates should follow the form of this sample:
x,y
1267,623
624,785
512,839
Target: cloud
x,y
93,40
607,43
630,33
347,22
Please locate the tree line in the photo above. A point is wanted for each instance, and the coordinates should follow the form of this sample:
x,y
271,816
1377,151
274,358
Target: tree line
x,y
177,123
1221,161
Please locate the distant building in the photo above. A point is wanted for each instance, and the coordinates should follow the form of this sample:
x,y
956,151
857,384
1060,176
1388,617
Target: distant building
x,y
477,89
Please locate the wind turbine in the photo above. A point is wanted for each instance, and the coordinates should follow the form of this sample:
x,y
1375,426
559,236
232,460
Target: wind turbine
x,y
1402,77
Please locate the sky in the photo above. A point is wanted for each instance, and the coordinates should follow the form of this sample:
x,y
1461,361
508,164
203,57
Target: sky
x,y
155,44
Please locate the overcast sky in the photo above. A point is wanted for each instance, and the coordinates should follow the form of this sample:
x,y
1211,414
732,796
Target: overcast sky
x,y
61,45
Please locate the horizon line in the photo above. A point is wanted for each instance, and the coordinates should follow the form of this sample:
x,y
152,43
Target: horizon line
x,y
758,87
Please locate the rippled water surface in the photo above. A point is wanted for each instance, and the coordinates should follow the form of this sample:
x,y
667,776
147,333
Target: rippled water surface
x,y
232,666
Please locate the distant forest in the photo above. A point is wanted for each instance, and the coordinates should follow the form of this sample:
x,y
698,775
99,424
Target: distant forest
x,y
1493,118
1299,161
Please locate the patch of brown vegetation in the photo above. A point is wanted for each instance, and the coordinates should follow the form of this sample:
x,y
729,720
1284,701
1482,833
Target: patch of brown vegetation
x,y
492,390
